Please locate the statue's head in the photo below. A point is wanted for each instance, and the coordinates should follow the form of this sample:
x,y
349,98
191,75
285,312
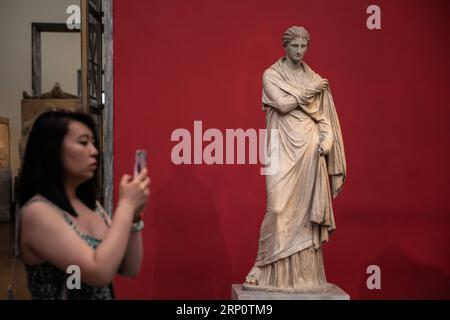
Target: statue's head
x,y
295,42
294,33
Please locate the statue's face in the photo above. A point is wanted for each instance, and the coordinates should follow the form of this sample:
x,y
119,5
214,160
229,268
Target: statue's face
x,y
296,49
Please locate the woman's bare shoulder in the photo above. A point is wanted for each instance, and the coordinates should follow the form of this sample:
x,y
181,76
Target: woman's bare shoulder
x,y
37,202
38,213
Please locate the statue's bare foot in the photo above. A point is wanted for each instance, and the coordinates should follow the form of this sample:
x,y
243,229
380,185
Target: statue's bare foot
x,y
251,281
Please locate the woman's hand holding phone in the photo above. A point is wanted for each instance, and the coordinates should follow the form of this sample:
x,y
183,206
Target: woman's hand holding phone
x,y
139,166
135,190
144,182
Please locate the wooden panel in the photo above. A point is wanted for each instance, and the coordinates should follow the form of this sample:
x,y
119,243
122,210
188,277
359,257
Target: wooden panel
x,y
5,156
92,71
5,171
32,107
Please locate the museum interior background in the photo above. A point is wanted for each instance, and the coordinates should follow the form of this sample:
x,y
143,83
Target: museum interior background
x,y
180,61
60,62
48,60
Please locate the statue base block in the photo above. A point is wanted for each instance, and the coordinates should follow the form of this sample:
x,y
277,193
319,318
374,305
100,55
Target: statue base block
x,y
333,293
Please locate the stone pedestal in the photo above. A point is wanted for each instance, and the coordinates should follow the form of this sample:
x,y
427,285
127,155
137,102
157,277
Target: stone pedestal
x,y
334,293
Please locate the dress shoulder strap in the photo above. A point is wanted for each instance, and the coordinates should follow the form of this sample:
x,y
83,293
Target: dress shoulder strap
x,y
102,212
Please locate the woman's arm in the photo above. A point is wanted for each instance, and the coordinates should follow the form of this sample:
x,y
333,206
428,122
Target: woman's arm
x,y
132,261
44,231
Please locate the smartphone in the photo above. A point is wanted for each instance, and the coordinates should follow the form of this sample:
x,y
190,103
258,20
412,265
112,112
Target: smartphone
x,y
140,161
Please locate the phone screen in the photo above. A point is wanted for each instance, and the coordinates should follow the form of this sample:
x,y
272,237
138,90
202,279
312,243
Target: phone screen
x,y
140,161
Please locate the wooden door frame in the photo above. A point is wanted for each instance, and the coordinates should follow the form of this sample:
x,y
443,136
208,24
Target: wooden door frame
x,y
108,90
109,104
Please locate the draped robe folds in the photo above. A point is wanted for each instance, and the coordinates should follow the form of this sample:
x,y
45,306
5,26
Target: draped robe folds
x,y
299,215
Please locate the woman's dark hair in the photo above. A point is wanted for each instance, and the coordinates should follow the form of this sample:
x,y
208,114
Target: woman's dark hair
x,y
42,171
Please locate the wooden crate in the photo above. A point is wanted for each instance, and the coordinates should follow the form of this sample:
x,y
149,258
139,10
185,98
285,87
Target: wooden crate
x,y
5,194
5,170
31,108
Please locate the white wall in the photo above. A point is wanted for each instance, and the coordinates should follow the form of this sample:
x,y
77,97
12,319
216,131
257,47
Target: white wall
x,y
16,17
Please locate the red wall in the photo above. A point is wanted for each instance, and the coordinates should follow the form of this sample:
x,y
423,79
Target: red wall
x,y
180,61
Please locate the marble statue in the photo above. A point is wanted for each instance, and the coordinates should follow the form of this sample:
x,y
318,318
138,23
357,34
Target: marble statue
x,y
299,214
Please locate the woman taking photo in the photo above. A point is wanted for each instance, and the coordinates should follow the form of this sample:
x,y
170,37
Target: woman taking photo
x,y
62,224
